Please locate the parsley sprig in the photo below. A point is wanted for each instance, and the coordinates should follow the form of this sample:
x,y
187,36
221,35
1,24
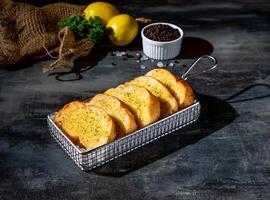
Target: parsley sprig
x,y
91,29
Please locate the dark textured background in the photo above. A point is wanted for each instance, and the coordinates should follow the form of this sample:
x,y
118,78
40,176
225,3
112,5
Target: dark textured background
x,y
224,156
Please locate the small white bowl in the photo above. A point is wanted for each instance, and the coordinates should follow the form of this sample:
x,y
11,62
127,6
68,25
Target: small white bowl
x,y
162,50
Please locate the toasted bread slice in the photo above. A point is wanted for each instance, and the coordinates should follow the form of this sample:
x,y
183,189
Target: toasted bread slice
x,y
168,103
177,86
90,126
66,111
124,120
144,105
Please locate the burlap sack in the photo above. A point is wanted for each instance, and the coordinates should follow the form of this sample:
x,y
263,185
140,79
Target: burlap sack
x,y
26,29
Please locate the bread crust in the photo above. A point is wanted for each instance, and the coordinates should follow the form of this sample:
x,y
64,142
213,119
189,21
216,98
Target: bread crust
x,y
144,105
177,86
124,120
87,126
168,103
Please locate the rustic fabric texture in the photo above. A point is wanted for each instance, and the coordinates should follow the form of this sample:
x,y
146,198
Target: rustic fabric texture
x,y
26,29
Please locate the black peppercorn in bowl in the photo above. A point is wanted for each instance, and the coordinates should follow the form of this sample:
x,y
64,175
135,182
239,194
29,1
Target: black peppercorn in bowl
x,y
162,41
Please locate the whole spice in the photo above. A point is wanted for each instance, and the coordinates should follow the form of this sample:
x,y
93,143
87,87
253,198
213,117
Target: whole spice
x,y
161,33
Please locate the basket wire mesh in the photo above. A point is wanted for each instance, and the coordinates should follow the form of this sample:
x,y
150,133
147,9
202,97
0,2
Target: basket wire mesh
x,y
92,158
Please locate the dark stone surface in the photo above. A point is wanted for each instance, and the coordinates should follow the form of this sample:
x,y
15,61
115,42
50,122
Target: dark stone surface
x,y
224,156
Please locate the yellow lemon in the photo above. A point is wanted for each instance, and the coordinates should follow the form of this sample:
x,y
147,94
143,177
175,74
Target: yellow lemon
x,y
105,11
122,29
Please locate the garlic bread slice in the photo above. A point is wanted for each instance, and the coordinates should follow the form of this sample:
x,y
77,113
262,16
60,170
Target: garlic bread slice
x,y
177,86
144,105
91,126
124,120
168,103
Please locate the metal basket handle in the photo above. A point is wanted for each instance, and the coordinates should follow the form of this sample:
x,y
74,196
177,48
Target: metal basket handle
x,y
185,75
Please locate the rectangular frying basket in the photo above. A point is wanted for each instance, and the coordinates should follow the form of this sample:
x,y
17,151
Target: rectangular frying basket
x,y
92,158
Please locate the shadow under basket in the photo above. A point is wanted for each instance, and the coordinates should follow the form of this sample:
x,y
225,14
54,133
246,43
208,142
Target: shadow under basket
x,y
92,158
